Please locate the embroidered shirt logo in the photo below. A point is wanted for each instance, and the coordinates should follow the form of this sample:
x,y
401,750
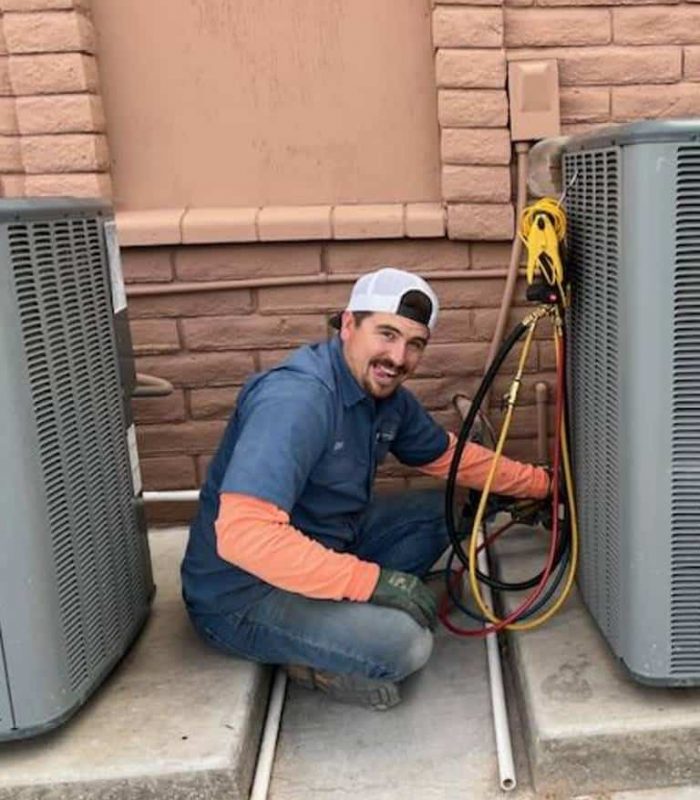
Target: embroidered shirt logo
x,y
338,446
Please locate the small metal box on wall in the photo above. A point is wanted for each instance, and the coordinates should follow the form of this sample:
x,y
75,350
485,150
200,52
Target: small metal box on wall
x,y
75,573
633,205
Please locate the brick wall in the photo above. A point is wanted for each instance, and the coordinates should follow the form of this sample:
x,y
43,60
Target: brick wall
x,y
52,138
618,62
208,343
470,73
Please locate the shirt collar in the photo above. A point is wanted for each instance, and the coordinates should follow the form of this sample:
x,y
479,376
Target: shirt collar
x,y
350,389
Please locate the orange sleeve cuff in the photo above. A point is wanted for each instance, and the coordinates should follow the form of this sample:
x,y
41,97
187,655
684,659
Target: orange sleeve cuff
x,y
256,536
512,478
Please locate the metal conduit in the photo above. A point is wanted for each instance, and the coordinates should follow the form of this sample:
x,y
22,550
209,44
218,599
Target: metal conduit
x,y
149,289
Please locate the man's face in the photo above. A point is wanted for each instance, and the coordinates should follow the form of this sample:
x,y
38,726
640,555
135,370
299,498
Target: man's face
x,y
382,350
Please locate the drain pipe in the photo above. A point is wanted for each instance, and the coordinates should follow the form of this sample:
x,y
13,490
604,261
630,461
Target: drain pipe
x,y
172,496
499,709
268,743
504,746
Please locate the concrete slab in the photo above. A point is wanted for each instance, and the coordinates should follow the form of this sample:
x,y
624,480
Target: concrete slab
x,y
588,726
175,720
673,793
438,744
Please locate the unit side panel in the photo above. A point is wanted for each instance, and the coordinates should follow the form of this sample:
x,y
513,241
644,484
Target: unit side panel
x,y
593,257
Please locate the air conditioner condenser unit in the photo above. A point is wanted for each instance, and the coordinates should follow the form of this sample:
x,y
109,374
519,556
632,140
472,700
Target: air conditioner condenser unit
x,y
633,207
75,575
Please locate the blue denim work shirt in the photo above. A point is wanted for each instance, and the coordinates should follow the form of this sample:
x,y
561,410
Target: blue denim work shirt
x,y
306,437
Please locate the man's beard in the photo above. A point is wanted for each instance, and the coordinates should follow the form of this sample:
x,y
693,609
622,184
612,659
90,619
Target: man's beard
x,y
385,390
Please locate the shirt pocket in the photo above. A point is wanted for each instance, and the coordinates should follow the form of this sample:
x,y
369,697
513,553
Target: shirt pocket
x,y
384,438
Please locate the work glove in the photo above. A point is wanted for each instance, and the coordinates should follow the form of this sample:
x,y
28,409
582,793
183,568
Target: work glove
x,y
545,516
407,593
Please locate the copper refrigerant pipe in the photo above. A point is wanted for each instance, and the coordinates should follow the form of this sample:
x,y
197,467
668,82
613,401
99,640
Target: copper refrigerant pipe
x,y
150,289
541,400
511,274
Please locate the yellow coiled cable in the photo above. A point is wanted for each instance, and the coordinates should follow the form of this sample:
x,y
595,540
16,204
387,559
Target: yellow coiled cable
x,y
542,228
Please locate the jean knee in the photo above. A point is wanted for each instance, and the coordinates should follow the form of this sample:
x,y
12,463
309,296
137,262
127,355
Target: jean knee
x,y
416,652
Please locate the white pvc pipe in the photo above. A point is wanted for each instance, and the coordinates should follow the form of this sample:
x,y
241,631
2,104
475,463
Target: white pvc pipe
x,y
175,496
266,756
504,747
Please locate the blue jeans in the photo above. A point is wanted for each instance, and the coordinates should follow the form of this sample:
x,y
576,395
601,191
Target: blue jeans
x,y
403,531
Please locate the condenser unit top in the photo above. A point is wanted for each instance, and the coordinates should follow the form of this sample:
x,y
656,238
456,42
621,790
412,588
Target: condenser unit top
x,y
22,208
669,130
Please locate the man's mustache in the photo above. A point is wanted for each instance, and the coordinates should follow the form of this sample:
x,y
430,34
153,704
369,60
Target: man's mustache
x,y
383,362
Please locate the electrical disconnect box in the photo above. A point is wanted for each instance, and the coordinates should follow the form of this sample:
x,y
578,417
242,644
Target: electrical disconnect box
x,y
533,91
75,574
633,205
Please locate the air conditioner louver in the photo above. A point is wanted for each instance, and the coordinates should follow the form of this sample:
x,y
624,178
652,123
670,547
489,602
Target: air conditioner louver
x,y
685,464
593,208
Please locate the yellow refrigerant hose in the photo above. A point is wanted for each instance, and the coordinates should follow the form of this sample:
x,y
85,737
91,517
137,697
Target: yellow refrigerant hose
x,y
542,228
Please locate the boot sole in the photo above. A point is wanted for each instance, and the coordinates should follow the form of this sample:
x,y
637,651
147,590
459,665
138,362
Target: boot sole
x,y
353,690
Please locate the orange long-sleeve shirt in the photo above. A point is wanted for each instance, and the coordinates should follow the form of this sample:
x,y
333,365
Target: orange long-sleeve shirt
x,y
257,536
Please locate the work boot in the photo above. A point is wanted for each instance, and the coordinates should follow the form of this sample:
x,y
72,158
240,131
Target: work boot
x,y
353,689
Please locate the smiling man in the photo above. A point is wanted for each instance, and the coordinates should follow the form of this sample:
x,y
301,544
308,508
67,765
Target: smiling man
x,y
292,559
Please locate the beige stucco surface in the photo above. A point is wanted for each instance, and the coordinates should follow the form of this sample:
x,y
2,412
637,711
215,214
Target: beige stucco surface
x,y
269,102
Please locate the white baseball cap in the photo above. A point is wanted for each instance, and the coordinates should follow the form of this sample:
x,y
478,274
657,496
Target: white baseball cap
x,y
393,291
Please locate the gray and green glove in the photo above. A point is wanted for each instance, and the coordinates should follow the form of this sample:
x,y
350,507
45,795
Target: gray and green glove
x,y
407,593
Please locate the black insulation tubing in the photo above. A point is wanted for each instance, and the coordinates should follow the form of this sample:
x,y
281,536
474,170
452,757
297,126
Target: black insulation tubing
x,y
484,387
464,431
536,606
563,545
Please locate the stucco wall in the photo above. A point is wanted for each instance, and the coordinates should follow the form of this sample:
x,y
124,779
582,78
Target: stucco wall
x,y
268,103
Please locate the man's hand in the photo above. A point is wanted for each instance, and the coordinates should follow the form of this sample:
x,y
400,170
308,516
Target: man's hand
x,y
407,593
